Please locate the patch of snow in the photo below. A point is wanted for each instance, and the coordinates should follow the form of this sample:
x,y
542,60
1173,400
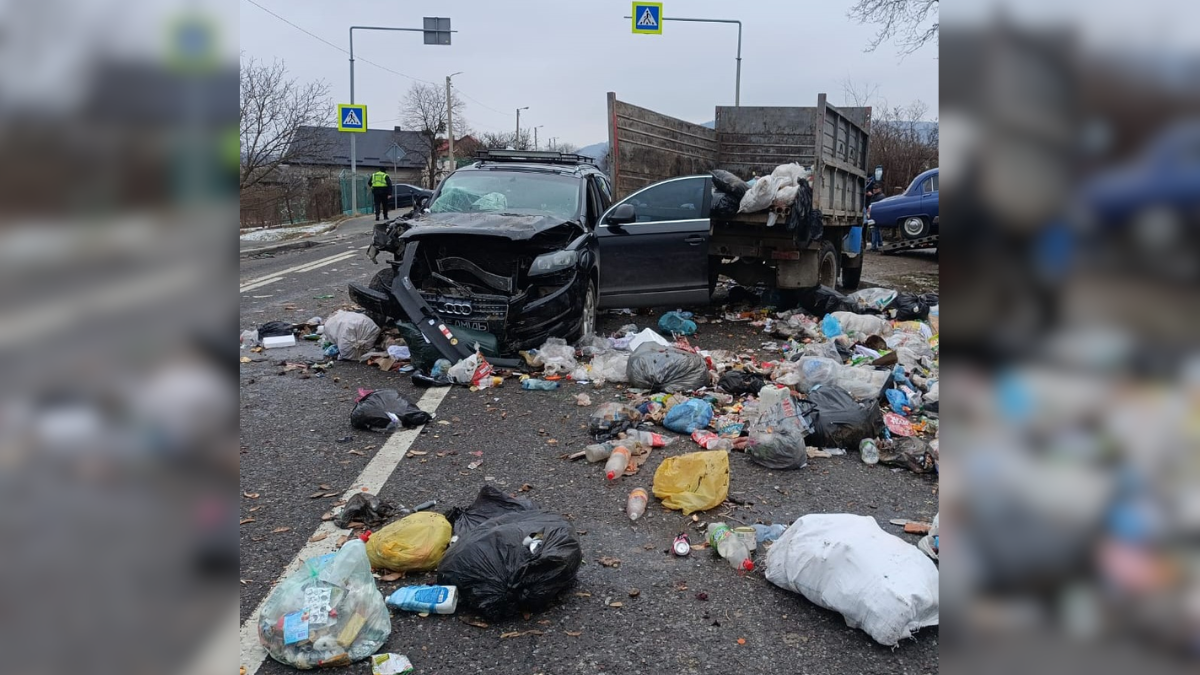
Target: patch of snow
x,y
282,233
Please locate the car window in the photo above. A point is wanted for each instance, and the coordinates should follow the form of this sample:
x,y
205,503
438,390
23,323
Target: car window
x,y
516,192
681,199
927,185
934,180
605,191
593,203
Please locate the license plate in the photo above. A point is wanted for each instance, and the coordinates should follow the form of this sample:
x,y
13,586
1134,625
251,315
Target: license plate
x,y
473,325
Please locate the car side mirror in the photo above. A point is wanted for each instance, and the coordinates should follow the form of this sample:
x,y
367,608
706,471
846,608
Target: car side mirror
x,y
623,214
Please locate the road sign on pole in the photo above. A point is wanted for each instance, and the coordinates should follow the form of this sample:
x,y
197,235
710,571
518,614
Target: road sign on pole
x,y
352,117
647,18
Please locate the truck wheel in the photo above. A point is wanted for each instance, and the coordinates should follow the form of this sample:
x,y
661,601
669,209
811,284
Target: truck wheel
x,y
914,227
827,265
382,282
851,275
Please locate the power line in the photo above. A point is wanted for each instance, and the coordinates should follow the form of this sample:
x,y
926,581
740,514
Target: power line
x,y
381,67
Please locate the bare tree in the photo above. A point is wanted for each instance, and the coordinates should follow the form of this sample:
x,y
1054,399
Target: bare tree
x,y
502,140
423,110
859,94
560,146
906,20
274,107
903,142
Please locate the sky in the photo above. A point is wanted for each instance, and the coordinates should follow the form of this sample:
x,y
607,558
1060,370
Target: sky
x,y
561,58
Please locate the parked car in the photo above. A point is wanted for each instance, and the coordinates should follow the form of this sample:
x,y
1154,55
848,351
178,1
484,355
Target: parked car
x,y
512,246
915,212
406,196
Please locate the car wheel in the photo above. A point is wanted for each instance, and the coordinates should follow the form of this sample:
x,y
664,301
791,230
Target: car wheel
x,y
827,265
382,282
914,227
587,322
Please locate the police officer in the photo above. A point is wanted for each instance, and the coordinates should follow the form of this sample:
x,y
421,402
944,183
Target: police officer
x,y
381,187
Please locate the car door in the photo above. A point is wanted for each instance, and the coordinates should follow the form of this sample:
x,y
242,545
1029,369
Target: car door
x,y
929,197
661,258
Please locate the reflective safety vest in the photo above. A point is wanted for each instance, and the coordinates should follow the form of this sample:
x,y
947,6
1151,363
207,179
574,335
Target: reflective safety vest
x,y
379,179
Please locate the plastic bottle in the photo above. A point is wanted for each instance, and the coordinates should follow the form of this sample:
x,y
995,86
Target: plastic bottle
x,y
648,438
729,546
635,506
432,599
539,385
617,461
868,451
597,452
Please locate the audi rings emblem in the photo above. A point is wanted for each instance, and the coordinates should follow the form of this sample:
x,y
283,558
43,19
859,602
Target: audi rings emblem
x,y
458,308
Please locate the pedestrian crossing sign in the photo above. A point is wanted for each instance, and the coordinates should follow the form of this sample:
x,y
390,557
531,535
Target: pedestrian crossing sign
x,y
352,117
647,18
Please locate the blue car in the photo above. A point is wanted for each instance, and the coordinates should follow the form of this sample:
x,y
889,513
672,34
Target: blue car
x,y
915,212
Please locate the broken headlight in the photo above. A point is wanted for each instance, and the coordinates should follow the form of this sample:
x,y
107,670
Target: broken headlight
x,y
549,263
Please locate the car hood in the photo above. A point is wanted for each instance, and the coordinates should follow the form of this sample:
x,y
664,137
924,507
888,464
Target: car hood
x,y
514,227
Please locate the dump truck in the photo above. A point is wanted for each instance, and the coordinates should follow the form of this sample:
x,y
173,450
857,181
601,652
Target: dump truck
x,y
646,147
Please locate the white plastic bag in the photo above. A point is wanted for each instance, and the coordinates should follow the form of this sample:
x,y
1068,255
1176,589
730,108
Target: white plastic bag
x,y
647,335
863,324
758,197
846,563
556,357
785,195
353,333
463,371
610,366
788,174
862,383
930,543
873,298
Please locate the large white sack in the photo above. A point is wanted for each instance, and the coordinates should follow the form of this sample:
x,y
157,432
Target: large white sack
x,y
759,196
877,581
353,333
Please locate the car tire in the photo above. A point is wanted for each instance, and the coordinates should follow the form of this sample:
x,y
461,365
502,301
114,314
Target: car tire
x,y
587,323
851,275
914,227
827,265
382,282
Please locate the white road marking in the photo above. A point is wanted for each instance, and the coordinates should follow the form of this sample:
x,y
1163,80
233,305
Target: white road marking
x,y
372,479
301,268
259,284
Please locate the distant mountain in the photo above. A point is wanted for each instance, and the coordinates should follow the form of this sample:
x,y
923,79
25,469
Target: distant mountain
x,y
595,150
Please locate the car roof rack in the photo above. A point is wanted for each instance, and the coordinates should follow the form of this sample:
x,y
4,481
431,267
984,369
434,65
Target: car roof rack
x,y
532,156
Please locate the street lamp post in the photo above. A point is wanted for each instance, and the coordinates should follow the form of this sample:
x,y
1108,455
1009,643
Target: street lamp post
x,y
450,118
517,139
435,33
737,91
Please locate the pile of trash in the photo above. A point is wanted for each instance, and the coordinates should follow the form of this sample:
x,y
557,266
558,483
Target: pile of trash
x,y
784,195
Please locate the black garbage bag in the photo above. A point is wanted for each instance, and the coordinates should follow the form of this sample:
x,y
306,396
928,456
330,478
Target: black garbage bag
x,y
499,575
424,355
837,420
490,503
738,382
777,437
386,410
424,380
803,221
274,329
909,452
724,204
822,300
365,508
728,183
909,306
661,368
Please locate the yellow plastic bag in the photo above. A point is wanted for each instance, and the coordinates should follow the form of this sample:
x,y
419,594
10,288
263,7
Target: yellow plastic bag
x,y
693,482
415,543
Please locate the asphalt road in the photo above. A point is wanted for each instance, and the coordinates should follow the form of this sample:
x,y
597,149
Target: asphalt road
x,y
296,438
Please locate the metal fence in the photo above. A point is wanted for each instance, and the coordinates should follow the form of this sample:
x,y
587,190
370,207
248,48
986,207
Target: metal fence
x,y
361,184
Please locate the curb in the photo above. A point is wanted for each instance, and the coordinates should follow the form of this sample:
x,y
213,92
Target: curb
x,y
284,246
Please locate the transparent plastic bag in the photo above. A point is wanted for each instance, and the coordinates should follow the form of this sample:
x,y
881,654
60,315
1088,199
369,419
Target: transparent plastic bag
x,y
611,366
863,383
297,627
812,371
777,437
873,299
556,357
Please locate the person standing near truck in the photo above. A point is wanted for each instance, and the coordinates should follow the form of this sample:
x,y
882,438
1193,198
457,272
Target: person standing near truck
x,y
381,187
874,194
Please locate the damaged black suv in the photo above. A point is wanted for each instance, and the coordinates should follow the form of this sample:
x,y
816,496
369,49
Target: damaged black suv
x,y
505,246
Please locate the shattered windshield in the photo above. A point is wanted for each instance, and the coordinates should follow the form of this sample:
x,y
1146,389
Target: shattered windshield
x,y
519,193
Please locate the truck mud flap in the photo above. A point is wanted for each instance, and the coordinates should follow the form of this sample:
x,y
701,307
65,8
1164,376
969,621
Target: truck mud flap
x,y
421,315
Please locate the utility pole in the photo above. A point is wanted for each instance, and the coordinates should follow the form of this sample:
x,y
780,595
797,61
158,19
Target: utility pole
x,y
535,143
517,140
450,118
437,32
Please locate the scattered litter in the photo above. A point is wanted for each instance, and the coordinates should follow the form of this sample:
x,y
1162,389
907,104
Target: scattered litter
x,y
686,417
327,613
427,599
390,664
677,323
415,543
365,508
846,563
386,410
353,334
583,400
276,341
777,437
646,336
610,419
697,481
